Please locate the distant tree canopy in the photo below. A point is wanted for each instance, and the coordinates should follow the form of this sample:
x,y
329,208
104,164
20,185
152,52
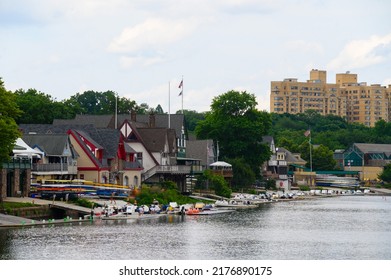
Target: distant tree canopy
x,y
8,128
192,118
38,107
331,131
101,103
238,127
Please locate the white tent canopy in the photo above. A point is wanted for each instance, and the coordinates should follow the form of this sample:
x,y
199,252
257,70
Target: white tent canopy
x,y
221,165
26,150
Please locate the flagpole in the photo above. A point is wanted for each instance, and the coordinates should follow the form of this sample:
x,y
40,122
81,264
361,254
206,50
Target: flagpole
x,y
310,153
310,142
307,133
182,94
116,109
169,105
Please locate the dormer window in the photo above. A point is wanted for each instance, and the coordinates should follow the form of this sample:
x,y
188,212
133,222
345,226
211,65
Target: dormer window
x,y
280,156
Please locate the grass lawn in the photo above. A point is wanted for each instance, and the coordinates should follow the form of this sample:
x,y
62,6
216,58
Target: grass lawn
x,y
8,206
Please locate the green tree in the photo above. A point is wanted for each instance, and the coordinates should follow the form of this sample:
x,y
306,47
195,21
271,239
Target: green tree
x,y
238,127
159,109
386,174
330,130
41,108
126,106
9,132
143,108
322,158
37,107
218,183
288,144
243,175
100,103
192,118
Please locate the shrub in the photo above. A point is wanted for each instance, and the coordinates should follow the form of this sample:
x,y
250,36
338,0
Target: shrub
x,y
84,203
304,188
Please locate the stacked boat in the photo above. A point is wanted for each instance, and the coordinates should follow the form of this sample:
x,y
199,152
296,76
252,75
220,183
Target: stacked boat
x,y
68,189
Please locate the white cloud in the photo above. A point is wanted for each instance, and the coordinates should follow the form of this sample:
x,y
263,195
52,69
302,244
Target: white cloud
x,y
127,62
239,7
151,34
217,45
305,46
363,53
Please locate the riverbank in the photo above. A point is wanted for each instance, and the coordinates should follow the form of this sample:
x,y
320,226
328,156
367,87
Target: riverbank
x,y
7,220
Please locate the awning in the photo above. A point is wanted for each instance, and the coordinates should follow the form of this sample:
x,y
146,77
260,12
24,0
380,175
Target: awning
x,y
21,149
221,164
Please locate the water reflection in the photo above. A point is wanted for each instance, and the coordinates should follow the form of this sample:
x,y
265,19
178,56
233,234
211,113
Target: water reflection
x,y
331,228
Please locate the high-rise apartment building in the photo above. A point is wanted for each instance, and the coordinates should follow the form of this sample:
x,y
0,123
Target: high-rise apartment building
x,y
356,102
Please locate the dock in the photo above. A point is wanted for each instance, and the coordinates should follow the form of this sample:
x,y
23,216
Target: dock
x,y
51,203
15,221
9,221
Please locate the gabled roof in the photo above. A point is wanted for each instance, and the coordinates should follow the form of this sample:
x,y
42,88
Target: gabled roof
x,y
54,129
142,120
199,149
103,138
267,139
109,139
88,137
51,144
98,121
373,148
290,158
155,139
161,120
77,135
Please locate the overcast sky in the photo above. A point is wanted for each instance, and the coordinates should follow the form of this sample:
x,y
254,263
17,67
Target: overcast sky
x,y
138,48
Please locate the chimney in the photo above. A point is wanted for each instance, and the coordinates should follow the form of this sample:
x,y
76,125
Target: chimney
x,y
133,115
152,120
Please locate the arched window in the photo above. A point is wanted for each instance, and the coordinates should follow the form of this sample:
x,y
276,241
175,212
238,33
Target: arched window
x,y
135,181
126,181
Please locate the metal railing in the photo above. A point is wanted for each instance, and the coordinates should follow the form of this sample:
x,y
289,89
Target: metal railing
x,y
173,169
54,167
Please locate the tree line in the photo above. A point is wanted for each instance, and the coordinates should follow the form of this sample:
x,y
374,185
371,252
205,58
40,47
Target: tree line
x,y
233,122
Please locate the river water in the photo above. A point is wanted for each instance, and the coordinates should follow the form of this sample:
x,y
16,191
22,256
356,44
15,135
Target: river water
x,y
335,228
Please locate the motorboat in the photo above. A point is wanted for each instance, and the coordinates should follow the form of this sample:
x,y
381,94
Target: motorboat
x,y
234,204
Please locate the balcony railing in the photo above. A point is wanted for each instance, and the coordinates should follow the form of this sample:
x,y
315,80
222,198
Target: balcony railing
x,y
178,169
53,168
173,169
224,173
